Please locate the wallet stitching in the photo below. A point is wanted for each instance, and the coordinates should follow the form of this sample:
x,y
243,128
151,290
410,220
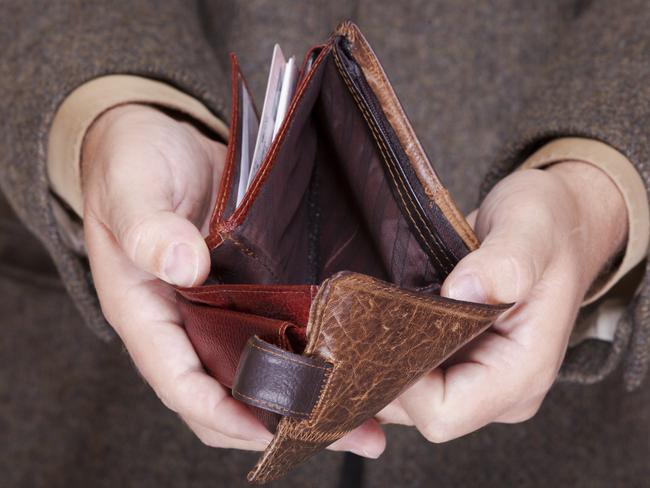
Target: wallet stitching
x,y
277,406
256,292
218,211
438,191
250,253
471,312
322,395
390,162
281,338
443,256
317,312
325,386
378,72
423,219
391,168
459,224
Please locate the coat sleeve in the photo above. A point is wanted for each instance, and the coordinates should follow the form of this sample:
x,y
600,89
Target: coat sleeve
x,y
595,83
49,49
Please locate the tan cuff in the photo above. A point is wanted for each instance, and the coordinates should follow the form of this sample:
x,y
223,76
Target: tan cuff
x,y
80,109
627,179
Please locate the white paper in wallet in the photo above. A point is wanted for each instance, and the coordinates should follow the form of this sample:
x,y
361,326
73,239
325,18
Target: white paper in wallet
x,y
257,136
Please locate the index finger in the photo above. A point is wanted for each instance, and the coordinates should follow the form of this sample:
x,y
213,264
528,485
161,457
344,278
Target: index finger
x,y
143,311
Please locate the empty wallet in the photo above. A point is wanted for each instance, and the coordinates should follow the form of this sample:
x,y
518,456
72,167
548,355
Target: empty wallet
x,y
323,302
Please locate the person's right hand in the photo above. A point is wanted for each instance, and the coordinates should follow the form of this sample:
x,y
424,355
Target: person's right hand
x,y
149,184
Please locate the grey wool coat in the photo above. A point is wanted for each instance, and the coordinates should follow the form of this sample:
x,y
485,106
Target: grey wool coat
x,y
485,84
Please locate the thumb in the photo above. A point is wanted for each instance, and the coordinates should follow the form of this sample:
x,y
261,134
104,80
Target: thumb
x,y
511,260
166,245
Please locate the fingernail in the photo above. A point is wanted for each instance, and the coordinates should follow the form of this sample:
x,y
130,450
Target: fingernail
x,y
467,288
180,265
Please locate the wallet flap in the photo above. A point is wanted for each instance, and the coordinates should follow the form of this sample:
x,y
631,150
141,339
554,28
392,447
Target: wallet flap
x,y
376,77
379,339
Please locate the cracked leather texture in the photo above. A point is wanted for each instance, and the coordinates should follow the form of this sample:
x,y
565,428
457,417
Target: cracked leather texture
x,y
379,340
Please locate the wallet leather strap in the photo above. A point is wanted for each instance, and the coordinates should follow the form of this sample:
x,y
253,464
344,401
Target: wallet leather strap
x,y
279,381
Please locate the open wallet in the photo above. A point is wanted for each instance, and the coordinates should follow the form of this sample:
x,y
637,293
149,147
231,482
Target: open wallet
x,y
323,302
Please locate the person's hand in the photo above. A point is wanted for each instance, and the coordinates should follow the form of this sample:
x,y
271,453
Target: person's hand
x,y
545,237
149,184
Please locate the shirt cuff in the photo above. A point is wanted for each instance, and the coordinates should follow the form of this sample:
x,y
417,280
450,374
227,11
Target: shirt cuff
x,y
82,107
627,179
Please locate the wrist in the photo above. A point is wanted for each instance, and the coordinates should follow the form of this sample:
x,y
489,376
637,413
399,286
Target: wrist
x,y
601,223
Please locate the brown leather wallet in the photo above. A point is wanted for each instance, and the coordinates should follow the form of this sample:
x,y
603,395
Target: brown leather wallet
x,y
323,301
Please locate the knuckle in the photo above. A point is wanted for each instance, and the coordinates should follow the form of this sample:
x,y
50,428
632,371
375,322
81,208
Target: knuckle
x,y
530,411
205,436
521,268
130,232
167,399
115,313
545,381
205,439
141,241
525,413
540,381
194,392
436,432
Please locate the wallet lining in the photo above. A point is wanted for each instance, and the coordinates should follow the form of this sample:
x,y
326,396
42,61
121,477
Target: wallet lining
x,y
436,234
335,197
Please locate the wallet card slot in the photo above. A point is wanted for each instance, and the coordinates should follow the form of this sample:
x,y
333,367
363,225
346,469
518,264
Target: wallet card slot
x,y
227,195
289,303
265,240
363,228
432,229
219,336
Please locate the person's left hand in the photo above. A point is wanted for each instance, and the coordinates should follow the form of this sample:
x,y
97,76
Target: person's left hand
x,y
545,235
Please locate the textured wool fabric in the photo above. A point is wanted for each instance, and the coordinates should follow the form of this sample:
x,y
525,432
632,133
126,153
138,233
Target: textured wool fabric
x,y
74,413
484,85
84,105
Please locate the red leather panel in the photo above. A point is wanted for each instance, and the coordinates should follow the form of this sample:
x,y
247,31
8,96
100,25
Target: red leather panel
x,y
219,320
282,302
